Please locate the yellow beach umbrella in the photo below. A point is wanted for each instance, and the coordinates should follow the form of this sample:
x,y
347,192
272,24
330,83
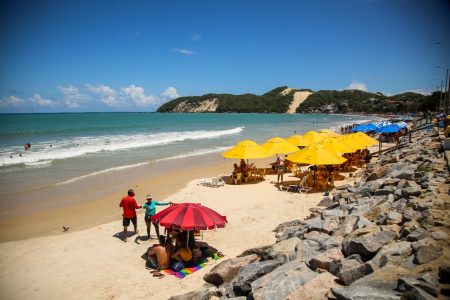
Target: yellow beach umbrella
x,y
310,132
316,154
298,140
368,139
328,133
351,142
313,136
279,145
336,146
245,150
359,140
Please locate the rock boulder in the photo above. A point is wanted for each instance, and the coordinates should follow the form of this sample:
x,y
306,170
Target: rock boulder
x,y
228,269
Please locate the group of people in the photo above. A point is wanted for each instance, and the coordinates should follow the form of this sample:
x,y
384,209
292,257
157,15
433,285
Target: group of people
x,y
129,206
171,249
347,128
177,247
243,168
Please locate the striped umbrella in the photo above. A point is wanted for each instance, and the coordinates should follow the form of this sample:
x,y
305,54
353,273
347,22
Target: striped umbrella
x,y
189,216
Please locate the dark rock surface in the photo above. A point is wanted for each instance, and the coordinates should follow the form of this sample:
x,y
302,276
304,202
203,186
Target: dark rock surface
x,y
241,284
376,290
282,281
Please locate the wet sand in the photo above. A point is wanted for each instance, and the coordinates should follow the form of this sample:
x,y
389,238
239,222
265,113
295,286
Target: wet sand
x,y
95,204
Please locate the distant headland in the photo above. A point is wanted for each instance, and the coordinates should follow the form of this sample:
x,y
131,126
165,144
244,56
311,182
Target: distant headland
x,y
290,100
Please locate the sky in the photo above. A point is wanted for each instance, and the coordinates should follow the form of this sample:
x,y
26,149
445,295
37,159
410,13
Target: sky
x,y
95,56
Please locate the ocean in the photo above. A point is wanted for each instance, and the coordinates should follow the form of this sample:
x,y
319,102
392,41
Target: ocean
x,y
68,149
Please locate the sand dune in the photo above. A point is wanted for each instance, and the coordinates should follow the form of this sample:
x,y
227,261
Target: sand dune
x,y
299,97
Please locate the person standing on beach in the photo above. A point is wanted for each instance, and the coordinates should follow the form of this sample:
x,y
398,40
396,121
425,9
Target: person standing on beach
x,y
129,206
280,168
150,210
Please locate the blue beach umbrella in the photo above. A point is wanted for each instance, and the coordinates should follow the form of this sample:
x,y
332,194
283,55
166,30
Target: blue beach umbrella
x,y
389,128
359,128
365,127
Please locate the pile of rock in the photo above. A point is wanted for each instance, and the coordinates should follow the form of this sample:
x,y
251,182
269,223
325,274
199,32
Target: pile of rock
x,y
386,237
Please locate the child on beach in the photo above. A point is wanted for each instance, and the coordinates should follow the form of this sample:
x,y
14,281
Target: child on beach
x,y
150,210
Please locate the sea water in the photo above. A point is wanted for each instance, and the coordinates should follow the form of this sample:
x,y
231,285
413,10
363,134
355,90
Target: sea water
x,y
72,147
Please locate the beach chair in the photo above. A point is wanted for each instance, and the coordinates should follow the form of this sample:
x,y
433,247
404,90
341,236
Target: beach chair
x,y
301,188
213,182
294,169
246,177
260,173
237,178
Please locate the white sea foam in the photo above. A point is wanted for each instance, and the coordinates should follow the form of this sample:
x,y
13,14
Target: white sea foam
x,y
188,154
39,164
81,146
103,172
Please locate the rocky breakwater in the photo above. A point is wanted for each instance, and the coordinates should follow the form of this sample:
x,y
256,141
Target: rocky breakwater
x,y
385,237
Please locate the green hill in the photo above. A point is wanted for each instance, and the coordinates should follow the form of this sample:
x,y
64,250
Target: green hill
x,y
323,101
271,102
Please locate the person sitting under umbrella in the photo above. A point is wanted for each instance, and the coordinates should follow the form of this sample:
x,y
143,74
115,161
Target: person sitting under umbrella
x,y
159,255
182,251
235,171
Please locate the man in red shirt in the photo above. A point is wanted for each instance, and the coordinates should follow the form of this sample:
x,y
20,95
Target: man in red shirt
x,y
129,206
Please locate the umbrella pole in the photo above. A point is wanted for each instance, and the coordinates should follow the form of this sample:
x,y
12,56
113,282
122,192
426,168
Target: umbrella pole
x,y
315,170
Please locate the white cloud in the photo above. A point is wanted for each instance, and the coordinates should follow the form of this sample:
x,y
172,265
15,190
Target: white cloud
x,y
39,101
196,37
357,86
183,51
170,93
72,96
137,94
108,95
11,101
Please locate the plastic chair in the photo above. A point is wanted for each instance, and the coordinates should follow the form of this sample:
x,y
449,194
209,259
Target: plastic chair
x,y
237,178
247,176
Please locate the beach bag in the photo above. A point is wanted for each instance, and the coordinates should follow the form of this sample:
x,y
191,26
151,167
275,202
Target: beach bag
x,y
177,266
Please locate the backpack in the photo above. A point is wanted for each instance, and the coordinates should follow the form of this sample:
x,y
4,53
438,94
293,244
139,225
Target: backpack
x,y
177,266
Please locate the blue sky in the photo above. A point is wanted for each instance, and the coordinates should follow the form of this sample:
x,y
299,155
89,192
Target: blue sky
x,y
76,56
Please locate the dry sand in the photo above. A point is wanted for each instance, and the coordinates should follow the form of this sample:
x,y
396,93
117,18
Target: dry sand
x,y
299,97
95,264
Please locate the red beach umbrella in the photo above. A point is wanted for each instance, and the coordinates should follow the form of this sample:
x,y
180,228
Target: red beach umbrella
x,y
189,216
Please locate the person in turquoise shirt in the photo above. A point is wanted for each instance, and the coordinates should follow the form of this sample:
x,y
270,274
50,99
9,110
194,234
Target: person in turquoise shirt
x,y
150,210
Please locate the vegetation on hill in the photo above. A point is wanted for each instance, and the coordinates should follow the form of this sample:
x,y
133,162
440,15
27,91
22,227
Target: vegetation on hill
x,y
323,101
270,102
356,101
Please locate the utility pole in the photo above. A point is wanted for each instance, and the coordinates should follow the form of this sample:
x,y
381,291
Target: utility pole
x,y
440,97
446,96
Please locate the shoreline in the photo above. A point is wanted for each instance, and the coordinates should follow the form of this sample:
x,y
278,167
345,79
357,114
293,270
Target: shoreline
x,y
102,206
94,201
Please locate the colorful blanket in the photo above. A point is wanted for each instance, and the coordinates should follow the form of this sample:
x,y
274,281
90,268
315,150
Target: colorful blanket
x,y
191,267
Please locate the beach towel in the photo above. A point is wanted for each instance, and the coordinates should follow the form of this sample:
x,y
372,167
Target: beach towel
x,y
192,267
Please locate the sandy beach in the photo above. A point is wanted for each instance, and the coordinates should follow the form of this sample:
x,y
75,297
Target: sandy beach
x,y
95,264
